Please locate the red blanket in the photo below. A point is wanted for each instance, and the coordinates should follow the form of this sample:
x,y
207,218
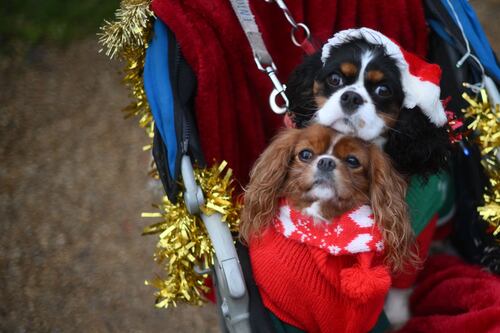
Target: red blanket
x,y
452,296
232,109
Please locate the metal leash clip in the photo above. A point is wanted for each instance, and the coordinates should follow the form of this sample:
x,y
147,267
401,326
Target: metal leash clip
x,y
295,26
279,88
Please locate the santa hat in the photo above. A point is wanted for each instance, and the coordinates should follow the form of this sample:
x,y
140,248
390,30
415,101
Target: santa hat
x,y
419,78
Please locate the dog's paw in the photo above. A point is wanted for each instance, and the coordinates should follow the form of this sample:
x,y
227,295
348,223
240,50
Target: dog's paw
x,y
397,306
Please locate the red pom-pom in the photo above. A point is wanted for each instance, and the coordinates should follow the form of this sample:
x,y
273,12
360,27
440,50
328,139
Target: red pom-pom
x,y
364,283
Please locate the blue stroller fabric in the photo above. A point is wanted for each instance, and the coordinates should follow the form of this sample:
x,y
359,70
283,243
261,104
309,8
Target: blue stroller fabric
x,y
159,91
170,86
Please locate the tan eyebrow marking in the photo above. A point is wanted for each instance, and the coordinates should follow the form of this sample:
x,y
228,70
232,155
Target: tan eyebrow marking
x,y
319,98
374,75
317,88
348,69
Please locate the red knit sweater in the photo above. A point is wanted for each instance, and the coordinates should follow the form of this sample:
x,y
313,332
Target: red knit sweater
x,y
307,286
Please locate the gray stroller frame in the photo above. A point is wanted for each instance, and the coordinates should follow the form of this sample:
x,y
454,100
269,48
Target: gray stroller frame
x,y
229,283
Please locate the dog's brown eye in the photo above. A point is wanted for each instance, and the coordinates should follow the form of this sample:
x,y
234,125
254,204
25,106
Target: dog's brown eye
x,y
305,155
383,91
352,162
335,80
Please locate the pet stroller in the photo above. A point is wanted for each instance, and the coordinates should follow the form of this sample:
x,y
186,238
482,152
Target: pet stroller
x,y
209,102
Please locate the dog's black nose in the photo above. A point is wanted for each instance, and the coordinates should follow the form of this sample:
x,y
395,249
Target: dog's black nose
x,y
350,101
326,164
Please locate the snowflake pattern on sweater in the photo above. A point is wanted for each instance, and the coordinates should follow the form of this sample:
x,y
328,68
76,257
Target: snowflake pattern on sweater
x,y
353,232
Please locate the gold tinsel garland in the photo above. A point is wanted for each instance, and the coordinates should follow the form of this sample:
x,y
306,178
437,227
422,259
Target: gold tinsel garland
x,y
127,38
129,28
183,241
486,127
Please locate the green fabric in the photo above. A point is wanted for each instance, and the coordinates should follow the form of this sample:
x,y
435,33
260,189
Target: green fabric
x,y
282,327
448,206
382,324
424,199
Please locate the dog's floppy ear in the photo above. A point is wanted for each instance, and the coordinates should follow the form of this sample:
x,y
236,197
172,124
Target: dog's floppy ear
x,y
417,146
299,89
387,197
266,181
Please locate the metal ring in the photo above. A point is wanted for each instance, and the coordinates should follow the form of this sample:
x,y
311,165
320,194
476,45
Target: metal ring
x,y
294,30
279,109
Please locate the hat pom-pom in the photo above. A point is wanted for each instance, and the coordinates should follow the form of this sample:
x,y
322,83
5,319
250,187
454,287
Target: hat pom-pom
x,y
362,282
